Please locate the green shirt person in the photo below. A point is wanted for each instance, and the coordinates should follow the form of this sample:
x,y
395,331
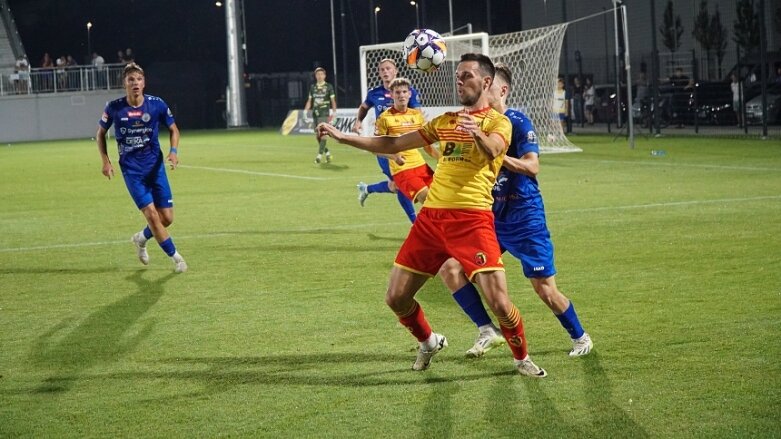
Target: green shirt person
x,y
322,102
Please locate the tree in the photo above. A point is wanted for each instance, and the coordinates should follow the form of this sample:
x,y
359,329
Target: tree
x,y
746,26
702,34
671,28
719,37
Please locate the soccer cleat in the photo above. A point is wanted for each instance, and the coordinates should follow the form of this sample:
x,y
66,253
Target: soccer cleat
x,y
424,357
328,157
140,242
581,346
528,368
318,159
363,192
486,341
179,265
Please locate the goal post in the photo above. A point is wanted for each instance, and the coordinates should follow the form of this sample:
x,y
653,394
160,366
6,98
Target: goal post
x,y
532,55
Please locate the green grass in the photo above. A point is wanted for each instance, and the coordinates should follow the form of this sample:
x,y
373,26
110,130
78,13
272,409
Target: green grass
x,y
279,329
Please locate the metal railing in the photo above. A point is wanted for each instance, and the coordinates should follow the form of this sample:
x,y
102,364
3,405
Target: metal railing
x,y
62,79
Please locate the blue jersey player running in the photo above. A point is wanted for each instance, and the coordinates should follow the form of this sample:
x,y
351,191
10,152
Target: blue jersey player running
x,y
136,119
380,99
521,229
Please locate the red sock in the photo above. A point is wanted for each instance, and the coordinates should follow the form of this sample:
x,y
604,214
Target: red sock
x,y
415,321
512,329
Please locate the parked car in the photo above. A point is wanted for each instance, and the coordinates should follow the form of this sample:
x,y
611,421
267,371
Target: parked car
x,y
605,103
711,102
754,106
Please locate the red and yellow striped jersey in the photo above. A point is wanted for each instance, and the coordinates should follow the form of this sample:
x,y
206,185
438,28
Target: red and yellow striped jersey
x,y
394,123
465,174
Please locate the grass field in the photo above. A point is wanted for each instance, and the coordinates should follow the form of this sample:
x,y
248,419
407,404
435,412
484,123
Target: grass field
x,y
279,329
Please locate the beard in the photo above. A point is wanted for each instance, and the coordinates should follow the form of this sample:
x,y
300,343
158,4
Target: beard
x,y
469,99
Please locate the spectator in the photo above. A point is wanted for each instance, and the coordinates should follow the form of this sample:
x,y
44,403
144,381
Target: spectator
x,y
589,93
98,71
22,71
680,98
129,57
560,104
577,99
641,89
61,76
47,75
737,106
778,75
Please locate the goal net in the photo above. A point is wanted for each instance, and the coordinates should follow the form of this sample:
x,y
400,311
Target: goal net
x,y
533,56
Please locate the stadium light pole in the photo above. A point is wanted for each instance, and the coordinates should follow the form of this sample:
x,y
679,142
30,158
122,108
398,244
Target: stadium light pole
x,y
376,27
236,106
89,39
417,15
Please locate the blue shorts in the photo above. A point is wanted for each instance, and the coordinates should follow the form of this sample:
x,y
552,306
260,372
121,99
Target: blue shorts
x,y
150,187
562,116
535,251
384,166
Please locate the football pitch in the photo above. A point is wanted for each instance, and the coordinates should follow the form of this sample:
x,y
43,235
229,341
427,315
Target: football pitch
x,y
279,328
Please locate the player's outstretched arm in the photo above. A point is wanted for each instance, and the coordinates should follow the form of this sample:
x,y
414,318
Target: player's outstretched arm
x,y
529,164
376,144
100,137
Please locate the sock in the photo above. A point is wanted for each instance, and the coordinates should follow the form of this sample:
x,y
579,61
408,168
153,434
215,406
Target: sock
x,y
512,329
381,187
415,321
408,207
168,246
569,320
147,233
322,146
469,300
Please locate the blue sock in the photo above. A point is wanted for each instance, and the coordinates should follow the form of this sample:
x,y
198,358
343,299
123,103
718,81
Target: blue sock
x,y
168,246
407,205
147,233
569,320
469,300
381,187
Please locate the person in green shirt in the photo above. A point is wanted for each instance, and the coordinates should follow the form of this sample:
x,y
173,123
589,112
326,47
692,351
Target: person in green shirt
x,y
322,102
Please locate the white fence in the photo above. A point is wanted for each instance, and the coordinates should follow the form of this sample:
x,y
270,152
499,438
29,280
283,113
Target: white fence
x,y
58,80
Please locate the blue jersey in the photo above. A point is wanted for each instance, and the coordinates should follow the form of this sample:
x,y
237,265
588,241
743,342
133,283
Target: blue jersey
x,y
136,130
517,200
380,99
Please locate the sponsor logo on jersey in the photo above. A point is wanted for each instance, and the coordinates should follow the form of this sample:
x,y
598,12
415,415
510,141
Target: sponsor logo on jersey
x,y
123,130
540,268
531,137
169,113
480,258
134,113
104,117
124,119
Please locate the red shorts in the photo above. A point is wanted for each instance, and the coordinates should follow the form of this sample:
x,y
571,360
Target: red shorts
x,y
412,181
467,235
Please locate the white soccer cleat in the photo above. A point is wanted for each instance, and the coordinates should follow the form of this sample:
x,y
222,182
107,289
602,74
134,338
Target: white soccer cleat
x,y
318,159
363,192
528,368
581,346
424,357
487,340
328,157
140,242
179,265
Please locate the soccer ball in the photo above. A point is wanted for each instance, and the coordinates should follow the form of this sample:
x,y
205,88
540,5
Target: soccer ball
x,y
424,49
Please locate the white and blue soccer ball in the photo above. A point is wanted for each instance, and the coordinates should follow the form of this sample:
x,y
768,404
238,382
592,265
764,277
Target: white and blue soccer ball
x,y
424,49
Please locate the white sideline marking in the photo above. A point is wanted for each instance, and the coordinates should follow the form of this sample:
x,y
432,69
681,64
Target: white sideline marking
x,y
242,171
368,225
678,165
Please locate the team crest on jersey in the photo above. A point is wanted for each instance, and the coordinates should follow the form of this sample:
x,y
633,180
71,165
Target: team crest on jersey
x,y
531,137
146,117
123,130
480,258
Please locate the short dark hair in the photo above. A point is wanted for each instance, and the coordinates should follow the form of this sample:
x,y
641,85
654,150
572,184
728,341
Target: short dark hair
x,y
485,64
504,72
132,68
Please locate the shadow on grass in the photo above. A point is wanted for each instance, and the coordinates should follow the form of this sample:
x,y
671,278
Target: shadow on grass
x,y
399,239
607,417
100,338
333,167
57,270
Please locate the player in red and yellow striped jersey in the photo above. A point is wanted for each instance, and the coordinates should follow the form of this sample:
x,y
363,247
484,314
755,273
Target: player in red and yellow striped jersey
x,y
456,220
410,171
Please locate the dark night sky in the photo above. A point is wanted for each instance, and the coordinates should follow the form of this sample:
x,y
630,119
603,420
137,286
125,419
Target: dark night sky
x,y
282,35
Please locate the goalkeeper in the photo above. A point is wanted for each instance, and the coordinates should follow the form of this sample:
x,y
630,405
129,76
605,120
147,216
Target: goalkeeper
x,y
322,101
